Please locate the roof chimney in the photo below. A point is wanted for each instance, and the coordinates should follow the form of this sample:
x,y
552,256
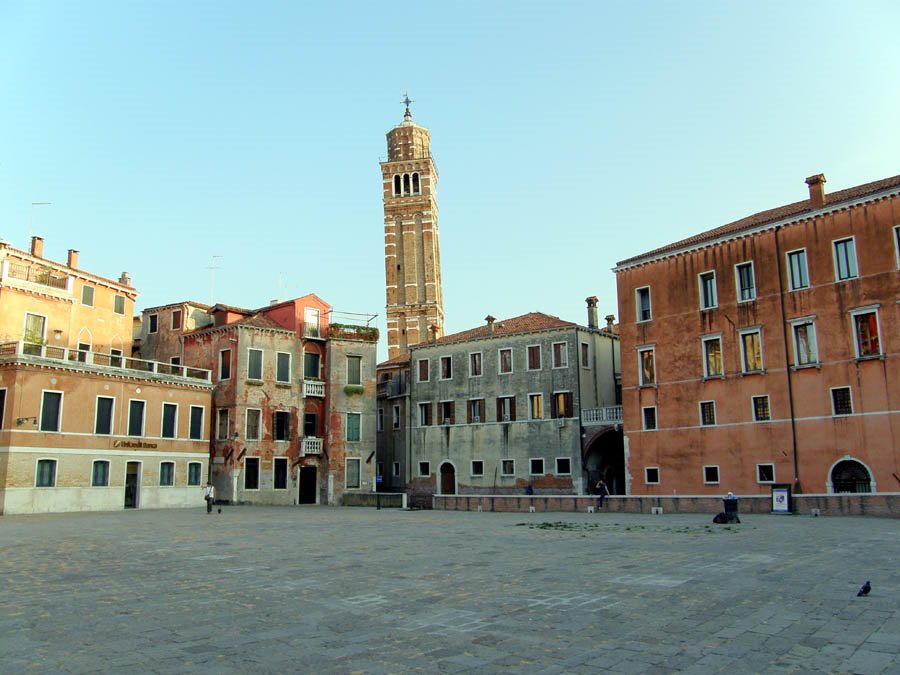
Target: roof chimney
x,y
73,259
490,322
816,190
610,319
592,311
433,329
37,247
125,279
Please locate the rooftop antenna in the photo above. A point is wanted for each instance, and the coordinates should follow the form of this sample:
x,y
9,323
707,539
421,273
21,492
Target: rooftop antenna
x,y
212,279
31,220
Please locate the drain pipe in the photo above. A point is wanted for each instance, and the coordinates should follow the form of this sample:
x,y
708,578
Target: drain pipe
x,y
787,363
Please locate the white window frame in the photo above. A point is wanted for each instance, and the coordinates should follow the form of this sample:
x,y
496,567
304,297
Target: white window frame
x,y
93,293
287,473
427,377
180,325
810,323
718,479
250,375
350,359
543,471
765,482
647,470
259,424
644,418
115,302
153,323
290,367
737,281
441,419
427,465
108,468
870,309
790,276
762,357
556,471
37,463
472,468
512,363
637,305
834,413
379,419
531,395
168,462
222,351
395,469
701,288
715,415
423,406
162,420
112,415
641,350
540,353
717,337
143,418
187,476
359,426
395,416
564,353
480,364
503,462
441,360
246,473
753,408
202,410
854,263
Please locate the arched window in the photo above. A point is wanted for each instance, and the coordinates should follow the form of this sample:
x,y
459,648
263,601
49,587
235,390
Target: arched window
x,y
397,185
849,475
415,181
406,183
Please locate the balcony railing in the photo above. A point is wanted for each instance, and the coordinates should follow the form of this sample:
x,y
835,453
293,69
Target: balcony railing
x,y
390,388
314,388
311,446
609,415
126,363
37,274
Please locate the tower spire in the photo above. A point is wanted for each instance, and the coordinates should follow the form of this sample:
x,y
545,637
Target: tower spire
x,y
407,116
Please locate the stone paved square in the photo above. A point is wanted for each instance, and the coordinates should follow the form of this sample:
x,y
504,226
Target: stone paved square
x,y
356,590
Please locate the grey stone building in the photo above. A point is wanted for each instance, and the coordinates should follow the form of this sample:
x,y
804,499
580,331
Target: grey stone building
x,y
528,401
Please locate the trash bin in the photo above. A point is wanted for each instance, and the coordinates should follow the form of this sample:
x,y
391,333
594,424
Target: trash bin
x,y
731,509
781,498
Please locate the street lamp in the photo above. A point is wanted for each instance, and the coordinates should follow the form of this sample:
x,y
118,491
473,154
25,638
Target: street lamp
x,y
31,220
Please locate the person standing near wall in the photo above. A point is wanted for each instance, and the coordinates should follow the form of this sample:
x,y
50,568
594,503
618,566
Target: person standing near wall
x,y
602,491
209,494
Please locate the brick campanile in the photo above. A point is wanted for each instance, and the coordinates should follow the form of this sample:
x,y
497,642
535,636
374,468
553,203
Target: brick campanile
x,y
412,260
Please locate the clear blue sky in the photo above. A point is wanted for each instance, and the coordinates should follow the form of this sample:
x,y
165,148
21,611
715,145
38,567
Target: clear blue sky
x,y
568,136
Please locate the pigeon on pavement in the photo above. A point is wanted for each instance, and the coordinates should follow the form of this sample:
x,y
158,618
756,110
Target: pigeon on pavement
x,y
866,587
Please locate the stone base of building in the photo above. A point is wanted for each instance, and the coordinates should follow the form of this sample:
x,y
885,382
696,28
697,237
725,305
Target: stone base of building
x,y
885,504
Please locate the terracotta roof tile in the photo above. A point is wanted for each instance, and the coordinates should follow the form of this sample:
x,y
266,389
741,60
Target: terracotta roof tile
x,y
526,323
396,361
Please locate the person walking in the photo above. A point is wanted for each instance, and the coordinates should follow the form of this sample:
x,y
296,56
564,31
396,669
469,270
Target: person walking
x,y
209,494
602,491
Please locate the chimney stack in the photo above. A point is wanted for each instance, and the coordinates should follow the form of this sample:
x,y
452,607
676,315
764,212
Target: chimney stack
x,y
816,190
73,259
37,246
610,319
125,279
592,311
433,329
490,322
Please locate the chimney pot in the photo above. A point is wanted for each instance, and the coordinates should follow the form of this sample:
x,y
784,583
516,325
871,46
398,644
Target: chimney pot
x,y
37,246
610,319
73,259
125,279
816,189
490,322
592,311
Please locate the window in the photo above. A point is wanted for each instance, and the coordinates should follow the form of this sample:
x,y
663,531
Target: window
x,y
585,355
446,367
865,330
708,297
415,182
765,473
33,336
352,473
175,360
395,469
169,420
100,473
311,322
51,410
310,425
45,476
424,469
251,473
506,408
193,477
222,424
651,475
751,351
167,474
897,244
311,365
424,370
649,418
841,401
642,301
225,364
446,411
563,466
507,467
176,319
136,417
477,467
279,473
354,370
711,474
87,295
646,366
353,431
845,260
83,349
505,361
761,411
561,404
535,406
119,304
195,433
395,416
251,424
798,277
397,190
536,466
745,280
115,357
152,323
560,354
707,413
475,364
424,414
254,364
103,421
476,411
379,420
2,406
534,357
712,357
805,351
281,425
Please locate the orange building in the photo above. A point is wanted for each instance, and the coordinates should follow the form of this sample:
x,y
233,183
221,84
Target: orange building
x,y
768,351
83,426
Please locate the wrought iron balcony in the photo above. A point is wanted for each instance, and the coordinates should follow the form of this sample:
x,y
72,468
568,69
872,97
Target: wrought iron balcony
x,y
38,274
609,415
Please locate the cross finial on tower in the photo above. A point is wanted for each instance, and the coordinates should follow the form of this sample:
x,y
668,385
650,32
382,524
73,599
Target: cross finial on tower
x,y
407,100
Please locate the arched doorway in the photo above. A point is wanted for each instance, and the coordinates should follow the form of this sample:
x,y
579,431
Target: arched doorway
x,y
604,457
448,479
849,475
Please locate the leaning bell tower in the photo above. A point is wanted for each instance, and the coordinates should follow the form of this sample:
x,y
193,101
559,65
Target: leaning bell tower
x,y
412,261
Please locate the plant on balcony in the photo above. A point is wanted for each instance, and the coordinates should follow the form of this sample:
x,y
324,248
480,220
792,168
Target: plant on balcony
x,y
353,389
353,332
